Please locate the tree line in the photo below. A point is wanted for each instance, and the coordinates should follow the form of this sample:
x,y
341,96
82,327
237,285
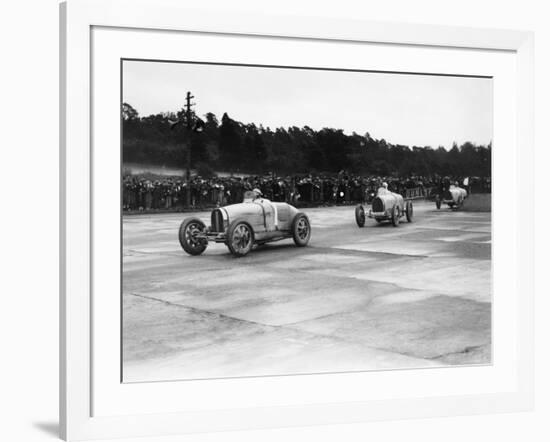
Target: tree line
x,y
232,146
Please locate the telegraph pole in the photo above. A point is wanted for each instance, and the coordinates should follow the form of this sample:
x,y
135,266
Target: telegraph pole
x,y
188,126
192,124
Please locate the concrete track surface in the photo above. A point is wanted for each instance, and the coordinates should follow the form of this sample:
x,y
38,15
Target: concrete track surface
x,y
376,298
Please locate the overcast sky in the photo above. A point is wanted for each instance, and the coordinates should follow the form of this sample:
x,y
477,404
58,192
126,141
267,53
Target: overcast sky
x,y
403,109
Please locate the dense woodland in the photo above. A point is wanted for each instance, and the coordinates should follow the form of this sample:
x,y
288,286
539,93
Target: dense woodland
x,y
232,146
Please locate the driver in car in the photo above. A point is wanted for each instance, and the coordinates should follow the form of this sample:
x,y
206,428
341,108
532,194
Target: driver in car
x,y
271,215
382,190
257,194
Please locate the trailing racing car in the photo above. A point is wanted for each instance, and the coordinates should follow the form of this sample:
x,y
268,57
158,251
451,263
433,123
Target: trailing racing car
x,y
454,197
241,226
386,206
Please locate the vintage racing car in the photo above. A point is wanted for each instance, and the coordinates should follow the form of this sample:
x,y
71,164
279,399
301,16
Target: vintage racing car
x,y
454,197
386,206
240,226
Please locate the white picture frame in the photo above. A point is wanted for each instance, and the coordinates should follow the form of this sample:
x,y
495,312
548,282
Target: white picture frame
x,y
80,377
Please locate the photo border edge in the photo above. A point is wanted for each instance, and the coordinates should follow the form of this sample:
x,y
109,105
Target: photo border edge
x,y
76,19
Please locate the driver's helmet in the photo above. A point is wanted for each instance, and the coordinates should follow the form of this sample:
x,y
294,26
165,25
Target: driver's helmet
x,y
257,193
385,185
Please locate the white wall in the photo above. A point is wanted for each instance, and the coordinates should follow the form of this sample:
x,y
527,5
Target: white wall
x,y
28,234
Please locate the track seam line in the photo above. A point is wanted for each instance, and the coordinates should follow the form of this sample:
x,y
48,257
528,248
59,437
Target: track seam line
x,y
281,327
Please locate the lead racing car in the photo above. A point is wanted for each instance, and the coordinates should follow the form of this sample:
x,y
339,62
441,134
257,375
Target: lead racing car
x,y
454,197
386,206
241,226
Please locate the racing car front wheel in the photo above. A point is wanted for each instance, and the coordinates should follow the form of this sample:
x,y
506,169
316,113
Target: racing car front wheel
x,y
409,211
438,204
360,215
395,216
301,229
189,229
240,238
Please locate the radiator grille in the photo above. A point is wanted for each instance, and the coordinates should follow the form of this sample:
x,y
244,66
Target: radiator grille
x,y
377,205
217,221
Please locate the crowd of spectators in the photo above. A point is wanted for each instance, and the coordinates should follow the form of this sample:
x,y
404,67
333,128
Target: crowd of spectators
x,y
142,193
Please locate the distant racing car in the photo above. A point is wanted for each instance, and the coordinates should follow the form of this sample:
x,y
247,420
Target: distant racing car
x,y
240,226
386,206
454,197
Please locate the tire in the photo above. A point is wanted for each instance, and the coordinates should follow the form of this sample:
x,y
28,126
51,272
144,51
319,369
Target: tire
x,y
301,229
395,216
360,215
438,203
240,238
188,228
409,211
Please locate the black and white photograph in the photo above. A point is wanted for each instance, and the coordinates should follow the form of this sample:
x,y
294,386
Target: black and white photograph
x,y
275,221
285,220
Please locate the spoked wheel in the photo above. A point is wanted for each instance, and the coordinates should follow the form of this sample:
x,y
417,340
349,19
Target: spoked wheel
x,y
409,211
360,215
395,216
189,230
240,238
301,229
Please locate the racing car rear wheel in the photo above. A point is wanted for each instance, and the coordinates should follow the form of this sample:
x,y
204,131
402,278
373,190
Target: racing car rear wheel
x,y
189,229
409,211
301,229
360,215
395,216
240,238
